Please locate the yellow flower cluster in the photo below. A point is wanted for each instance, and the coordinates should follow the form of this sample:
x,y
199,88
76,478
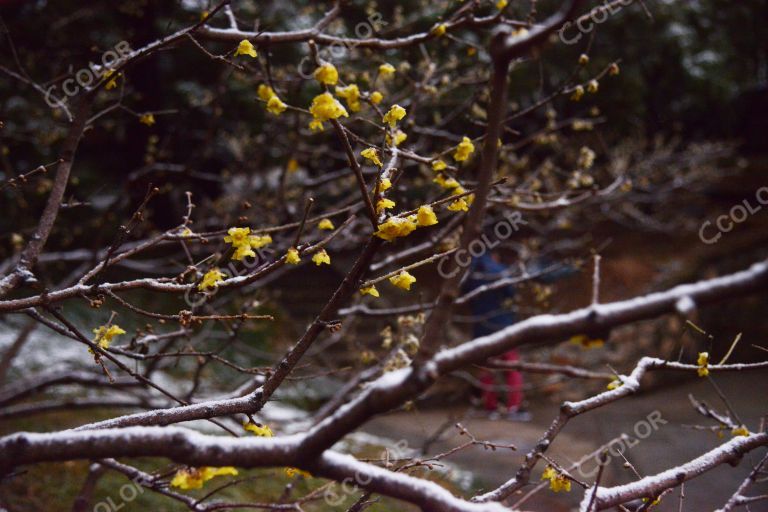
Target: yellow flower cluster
x,y
274,104
326,225
351,94
105,334
393,115
327,74
211,279
246,48
395,227
703,363
464,150
321,257
244,243
439,165
324,107
386,70
258,429
194,478
384,204
426,216
400,136
147,119
372,155
376,97
557,481
292,256
370,290
403,280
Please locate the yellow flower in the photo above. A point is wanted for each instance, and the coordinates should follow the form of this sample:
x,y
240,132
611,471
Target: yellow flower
x,y
265,92
384,204
578,92
237,236
147,119
592,86
740,431
439,165
464,150
400,136
258,429
194,478
325,107
292,256
703,362
276,106
111,84
395,227
653,503
372,155
583,59
241,251
291,472
257,242
325,224
557,482
316,126
450,183
403,280
439,30
395,114
245,48
105,334
385,184
614,384
369,290
376,97
426,216
386,70
586,342
501,4
186,232
327,74
211,279
351,94
292,165
321,257
459,205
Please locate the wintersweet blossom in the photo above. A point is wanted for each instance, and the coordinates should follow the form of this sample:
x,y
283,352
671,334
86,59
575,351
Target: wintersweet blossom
x,y
426,216
403,280
578,92
385,184
321,257
292,256
400,136
376,97
557,481
593,86
501,4
459,205
393,115
464,150
147,119
292,472
351,94
194,478
703,363
211,279
384,204
276,106
112,79
258,429
246,48
395,227
326,225
371,154
586,342
440,30
325,107
327,74
104,335
386,70
439,165
265,92
369,290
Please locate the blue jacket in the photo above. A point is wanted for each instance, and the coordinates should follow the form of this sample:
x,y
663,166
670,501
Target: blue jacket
x,y
489,307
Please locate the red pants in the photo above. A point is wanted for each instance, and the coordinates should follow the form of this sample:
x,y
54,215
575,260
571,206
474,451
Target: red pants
x,y
514,381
